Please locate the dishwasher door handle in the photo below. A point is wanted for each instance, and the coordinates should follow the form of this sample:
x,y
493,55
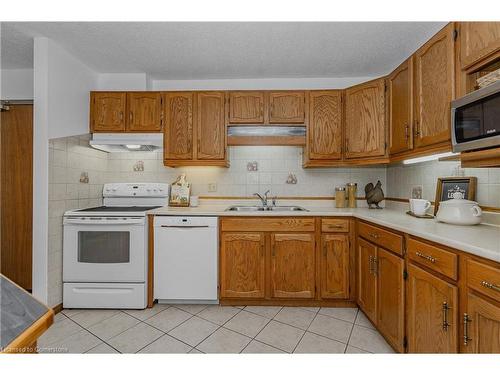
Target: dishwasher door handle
x,y
185,226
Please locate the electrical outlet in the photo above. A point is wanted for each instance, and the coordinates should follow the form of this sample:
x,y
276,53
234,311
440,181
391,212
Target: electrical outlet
x,y
212,187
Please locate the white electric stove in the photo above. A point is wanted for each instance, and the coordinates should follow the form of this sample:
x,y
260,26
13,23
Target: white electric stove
x,y
105,248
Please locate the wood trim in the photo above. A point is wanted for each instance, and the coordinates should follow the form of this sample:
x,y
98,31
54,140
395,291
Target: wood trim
x,y
151,236
266,140
30,335
187,163
57,308
423,151
482,158
287,302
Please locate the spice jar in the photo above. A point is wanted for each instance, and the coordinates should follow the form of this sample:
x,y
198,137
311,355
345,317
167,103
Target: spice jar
x,y
340,197
352,189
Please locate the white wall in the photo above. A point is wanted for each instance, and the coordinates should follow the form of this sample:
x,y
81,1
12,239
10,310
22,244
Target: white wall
x,y
61,108
259,84
17,84
122,81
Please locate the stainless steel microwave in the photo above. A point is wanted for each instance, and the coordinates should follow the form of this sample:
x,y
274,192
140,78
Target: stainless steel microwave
x,y
475,119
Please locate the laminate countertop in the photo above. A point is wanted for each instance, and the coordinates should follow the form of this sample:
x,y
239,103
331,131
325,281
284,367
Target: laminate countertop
x,y
482,240
22,318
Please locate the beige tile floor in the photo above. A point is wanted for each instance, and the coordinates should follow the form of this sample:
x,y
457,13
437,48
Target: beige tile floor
x,y
213,329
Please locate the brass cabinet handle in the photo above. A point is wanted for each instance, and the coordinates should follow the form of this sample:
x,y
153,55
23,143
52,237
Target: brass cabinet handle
x,y
336,226
491,286
374,235
407,135
417,132
445,316
466,329
121,115
375,266
370,263
131,116
426,257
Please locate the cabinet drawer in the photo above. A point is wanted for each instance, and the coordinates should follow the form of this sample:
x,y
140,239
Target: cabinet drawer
x,y
483,278
289,224
384,238
334,225
433,257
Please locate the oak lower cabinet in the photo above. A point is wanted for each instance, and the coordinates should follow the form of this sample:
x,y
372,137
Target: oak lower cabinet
x,y
334,265
367,280
432,313
242,265
293,265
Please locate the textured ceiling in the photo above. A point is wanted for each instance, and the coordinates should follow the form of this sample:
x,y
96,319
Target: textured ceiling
x,y
225,50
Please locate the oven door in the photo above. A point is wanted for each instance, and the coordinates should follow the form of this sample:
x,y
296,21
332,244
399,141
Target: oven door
x,y
104,249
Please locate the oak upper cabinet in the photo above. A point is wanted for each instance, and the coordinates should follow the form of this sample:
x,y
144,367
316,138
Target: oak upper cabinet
x,y
482,324
287,107
390,297
242,265
365,120
400,102
324,130
478,41
246,107
434,89
107,111
432,322
178,128
367,281
210,126
144,112
334,266
292,265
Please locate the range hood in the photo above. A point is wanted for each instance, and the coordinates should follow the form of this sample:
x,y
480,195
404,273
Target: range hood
x,y
126,142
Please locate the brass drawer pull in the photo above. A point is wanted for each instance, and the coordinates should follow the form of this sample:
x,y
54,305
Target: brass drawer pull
x,y
466,329
427,257
370,263
337,226
373,235
445,316
490,286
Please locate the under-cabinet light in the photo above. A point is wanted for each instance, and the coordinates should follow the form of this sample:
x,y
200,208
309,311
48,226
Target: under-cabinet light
x,y
133,147
428,158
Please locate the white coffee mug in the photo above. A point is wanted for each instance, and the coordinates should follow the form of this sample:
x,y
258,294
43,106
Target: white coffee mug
x,y
194,201
419,206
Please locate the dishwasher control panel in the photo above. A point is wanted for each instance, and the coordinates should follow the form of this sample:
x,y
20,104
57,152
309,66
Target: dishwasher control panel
x,y
185,221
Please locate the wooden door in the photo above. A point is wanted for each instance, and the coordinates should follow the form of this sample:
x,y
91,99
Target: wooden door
x,y
242,265
246,107
478,40
390,297
365,120
107,111
287,107
335,266
483,326
367,280
16,135
144,112
435,80
324,131
292,265
432,313
400,97
178,129
211,129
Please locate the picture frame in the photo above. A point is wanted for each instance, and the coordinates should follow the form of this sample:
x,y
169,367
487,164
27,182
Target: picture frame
x,y
446,186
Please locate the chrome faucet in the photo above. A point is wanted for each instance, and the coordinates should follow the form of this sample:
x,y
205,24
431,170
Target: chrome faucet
x,y
263,199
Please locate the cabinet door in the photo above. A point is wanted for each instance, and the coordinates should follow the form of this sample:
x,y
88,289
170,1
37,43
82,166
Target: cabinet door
x,y
367,281
390,297
365,120
211,129
292,265
144,111
335,266
400,97
242,265
483,326
246,107
434,89
478,40
178,131
324,131
432,313
107,111
287,107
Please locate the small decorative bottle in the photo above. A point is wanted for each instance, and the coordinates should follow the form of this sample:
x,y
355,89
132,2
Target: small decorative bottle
x,y
352,188
340,197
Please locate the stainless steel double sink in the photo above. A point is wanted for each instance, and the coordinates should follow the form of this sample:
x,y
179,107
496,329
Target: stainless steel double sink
x,y
265,208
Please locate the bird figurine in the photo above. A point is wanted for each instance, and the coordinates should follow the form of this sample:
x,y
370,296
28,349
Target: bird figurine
x,y
374,194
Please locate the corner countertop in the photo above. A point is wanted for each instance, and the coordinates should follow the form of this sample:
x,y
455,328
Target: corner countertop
x,y
22,318
482,240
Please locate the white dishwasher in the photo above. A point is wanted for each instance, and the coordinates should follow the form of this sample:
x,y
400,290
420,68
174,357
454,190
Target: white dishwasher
x,y
185,259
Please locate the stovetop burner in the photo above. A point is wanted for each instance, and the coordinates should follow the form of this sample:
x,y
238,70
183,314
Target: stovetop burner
x,y
119,209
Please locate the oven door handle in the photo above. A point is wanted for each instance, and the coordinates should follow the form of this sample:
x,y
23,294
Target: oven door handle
x,y
107,221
